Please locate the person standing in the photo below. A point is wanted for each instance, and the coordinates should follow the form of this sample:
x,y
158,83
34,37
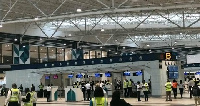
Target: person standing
x,y
168,87
88,88
181,87
145,90
13,96
48,93
174,88
41,87
116,101
130,83
83,88
190,84
125,86
139,88
21,88
115,84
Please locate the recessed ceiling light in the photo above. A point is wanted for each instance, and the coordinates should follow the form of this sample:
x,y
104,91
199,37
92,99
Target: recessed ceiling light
x,y
124,47
70,35
116,40
52,50
65,44
36,18
41,49
116,53
1,25
172,48
181,33
24,46
150,50
102,30
15,39
175,42
62,49
132,52
79,10
101,47
109,50
148,45
35,50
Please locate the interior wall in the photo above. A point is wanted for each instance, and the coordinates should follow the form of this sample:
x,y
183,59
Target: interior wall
x,y
24,77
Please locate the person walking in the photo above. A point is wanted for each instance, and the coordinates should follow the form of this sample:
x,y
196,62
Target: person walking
x,y
88,88
27,101
48,93
168,87
130,83
174,88
41,87
21,88
190,84
116,101
145,90
33,96
13,96
139,88
125,86
99,99
181,88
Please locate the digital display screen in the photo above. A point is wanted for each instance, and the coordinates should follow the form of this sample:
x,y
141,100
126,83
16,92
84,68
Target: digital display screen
x,y
173,75
70,76
197,73
137,73
98,75
108,74
79,76
172,68
47,77
127,73
185,73
55,76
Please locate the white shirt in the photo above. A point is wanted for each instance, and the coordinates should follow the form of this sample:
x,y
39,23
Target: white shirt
x,y
181,85
35,97
87,86
191,83
9,95
48,88
101,85
139,87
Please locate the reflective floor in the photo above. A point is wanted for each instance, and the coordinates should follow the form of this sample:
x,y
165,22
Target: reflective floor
x,y
152,102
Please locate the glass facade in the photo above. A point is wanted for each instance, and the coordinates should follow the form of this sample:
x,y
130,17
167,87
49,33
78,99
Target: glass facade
x,y
46,54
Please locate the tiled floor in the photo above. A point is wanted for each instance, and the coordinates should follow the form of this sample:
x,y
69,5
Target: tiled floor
x,y
152,102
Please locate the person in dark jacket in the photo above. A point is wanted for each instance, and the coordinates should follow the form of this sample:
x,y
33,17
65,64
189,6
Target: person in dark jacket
x,y
116,101
27,100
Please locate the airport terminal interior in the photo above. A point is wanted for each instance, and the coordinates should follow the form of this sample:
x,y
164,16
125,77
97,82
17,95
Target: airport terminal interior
x,y
67,51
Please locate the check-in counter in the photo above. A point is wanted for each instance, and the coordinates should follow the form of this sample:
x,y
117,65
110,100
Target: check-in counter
x,y
73,94
54,93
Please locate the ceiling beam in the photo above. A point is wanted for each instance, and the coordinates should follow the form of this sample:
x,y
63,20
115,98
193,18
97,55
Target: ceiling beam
x,y
108,11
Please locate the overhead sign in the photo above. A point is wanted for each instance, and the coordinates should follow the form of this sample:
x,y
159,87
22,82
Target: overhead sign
x,y
168,56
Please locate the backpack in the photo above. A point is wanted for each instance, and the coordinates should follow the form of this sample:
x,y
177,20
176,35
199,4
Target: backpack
x,y
196,91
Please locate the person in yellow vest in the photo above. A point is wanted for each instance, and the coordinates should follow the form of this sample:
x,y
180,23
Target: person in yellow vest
x,y
125,86
28,101
33,96
41,87
145,90
13,96
130,83
168,87
99,99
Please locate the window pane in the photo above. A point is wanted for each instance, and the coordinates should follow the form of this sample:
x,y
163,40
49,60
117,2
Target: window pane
x,y
43,54
52,54
86,55
34,54
7,54
104,54
60,54
92,54
68,54
98,54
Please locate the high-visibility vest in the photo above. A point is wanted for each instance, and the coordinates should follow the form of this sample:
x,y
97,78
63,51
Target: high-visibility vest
x,y
32,99
129,84
30,103
99,101
14,95
41,86
146,86
125,85
168,86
